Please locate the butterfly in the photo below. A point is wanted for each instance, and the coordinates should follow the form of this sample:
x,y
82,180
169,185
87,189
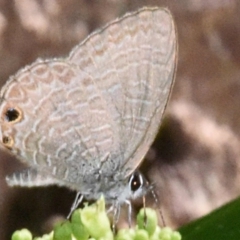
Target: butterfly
x,y
86,121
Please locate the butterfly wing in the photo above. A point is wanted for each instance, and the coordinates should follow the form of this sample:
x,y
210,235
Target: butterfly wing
x,y
49,115
135,58
100,108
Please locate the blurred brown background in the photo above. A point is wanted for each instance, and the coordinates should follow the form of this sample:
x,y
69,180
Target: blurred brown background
x,y
194,161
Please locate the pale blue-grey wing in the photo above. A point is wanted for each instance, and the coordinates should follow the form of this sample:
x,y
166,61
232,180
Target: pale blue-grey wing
x,y
101,107
134,59
51,113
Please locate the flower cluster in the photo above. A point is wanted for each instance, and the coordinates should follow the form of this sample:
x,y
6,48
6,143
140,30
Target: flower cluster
x,y
92,222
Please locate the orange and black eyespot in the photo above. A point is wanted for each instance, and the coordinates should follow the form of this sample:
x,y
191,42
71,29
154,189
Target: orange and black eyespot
x,y
7,141
13,115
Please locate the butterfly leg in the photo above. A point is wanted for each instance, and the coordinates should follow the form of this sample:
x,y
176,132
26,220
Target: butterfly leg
x,y
129,213
115,208
77,201
116,215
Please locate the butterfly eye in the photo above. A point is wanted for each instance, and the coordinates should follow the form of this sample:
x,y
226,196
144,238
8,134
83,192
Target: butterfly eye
x,y
136,181
13,115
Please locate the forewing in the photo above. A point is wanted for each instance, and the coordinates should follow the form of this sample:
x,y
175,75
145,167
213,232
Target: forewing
x,y
50,115
135,59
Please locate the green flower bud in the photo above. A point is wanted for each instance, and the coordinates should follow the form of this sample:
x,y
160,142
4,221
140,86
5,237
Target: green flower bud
x,y
45,237
63,231
141,234
176,236
155,235
125,234
78,229
23,234
96,221
147,219
166,234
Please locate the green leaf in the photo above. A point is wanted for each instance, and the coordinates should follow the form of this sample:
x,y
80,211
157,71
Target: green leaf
x,y
221,224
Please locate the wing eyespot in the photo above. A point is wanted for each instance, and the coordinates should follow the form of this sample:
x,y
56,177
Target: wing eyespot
x,y
13,115
7,141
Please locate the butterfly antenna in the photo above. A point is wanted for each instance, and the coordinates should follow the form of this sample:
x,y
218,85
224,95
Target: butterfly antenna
x,y
156,199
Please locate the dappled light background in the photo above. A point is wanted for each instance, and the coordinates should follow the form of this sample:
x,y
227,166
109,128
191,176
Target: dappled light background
x,y
195,159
